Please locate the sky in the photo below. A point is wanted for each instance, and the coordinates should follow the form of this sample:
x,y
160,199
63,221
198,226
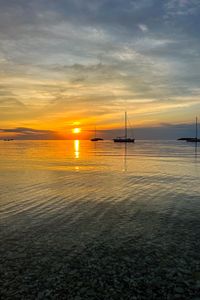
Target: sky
x,y
82,63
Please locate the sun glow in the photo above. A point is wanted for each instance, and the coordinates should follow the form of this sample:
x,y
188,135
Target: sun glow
x,y
76,130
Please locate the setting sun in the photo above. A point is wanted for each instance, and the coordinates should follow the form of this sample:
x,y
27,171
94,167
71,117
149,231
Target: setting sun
x,y
76,130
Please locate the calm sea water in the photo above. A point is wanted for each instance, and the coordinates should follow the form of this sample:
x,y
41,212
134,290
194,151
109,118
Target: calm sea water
x,y
70,205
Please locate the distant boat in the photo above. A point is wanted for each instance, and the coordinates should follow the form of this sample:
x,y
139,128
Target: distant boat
x,y
95,138
194,139
8,140
124,139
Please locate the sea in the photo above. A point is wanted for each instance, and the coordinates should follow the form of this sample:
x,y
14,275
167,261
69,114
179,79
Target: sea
x,y
99,220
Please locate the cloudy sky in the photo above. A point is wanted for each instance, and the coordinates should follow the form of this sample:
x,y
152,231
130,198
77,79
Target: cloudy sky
x,y
69,63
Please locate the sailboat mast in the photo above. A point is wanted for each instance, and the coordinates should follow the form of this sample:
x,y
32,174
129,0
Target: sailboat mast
x,y
196,128
125,124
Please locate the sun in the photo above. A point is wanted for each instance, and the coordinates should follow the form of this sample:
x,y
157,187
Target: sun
x,y
76,130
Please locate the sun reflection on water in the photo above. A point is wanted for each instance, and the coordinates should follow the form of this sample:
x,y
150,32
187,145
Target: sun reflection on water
x,y
77,149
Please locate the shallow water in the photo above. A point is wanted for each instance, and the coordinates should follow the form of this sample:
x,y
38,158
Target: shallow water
x,y
100,220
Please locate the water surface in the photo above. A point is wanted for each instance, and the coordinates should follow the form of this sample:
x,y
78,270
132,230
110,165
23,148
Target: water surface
x,y
99,220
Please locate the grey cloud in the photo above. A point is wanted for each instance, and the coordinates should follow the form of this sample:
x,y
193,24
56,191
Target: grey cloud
x,y
182,7
161,132
26,131
90,43
7,102
23,133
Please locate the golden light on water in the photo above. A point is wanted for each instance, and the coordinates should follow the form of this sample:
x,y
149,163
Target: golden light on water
x,y
76,148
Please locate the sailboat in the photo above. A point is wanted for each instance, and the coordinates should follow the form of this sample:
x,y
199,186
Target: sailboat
x,y
95,138
124,139
193,140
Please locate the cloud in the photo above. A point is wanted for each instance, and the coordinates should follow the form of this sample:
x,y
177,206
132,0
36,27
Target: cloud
x,y
143,27
29,133
73,59
8,101
26,131
182,7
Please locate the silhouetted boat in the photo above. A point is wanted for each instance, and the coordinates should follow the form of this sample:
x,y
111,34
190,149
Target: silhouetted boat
x,y
7,140
124,139
189,139
192,140
95,138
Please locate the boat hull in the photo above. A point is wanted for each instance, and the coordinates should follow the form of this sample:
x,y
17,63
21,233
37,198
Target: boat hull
x,y
124,140
96,139
190,140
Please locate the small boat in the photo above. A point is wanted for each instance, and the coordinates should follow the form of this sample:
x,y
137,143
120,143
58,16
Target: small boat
x,y
194,139
95,138
124,139
8,140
